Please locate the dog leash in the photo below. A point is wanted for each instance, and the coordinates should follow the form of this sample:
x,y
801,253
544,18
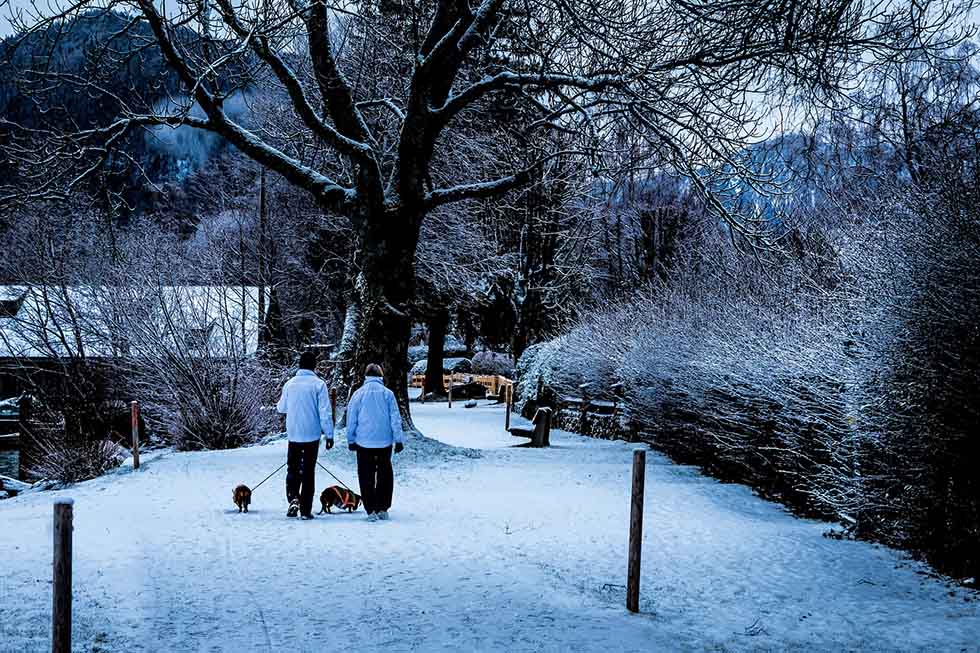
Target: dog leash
x,y
268,477
334,477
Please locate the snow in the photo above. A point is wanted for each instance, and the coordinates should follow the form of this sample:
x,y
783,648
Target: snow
x,y
489,548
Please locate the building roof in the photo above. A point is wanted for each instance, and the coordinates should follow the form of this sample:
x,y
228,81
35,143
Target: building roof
x,y
38,321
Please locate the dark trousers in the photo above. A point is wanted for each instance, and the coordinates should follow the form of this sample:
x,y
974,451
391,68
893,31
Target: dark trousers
x,y
301,474
376,477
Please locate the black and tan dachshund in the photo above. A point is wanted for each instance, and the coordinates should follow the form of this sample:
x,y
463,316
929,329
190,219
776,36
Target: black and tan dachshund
x,y
339,497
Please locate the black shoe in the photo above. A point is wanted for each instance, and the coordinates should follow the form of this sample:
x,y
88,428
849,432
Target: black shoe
x,y
307,517
293,508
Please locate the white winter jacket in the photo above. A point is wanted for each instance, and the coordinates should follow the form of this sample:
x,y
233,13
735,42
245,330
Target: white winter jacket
x,y
373,420
306,403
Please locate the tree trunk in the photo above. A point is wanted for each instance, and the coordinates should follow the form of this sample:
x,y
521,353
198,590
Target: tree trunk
x,y
344,356
438,324
386,290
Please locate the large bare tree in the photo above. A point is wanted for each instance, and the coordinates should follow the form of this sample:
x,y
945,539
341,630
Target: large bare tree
x,y
378,89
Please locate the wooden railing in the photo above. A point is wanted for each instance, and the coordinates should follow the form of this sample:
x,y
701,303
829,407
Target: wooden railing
x,y
492,382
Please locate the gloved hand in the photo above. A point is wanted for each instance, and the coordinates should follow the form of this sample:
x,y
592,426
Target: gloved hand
x,y
328,444
399,447
352,446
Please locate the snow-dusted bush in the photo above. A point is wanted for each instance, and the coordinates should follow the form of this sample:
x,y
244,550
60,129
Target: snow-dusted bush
x,y
918,402
588,353
60,461
212,405
449,366
453,347
193,363
491,362
535,367
417,353
851,394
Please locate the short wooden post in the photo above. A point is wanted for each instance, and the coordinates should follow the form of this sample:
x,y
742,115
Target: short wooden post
x,y
508,399
636,531
617,392
450,392
135,410
29,453
61,598
333,403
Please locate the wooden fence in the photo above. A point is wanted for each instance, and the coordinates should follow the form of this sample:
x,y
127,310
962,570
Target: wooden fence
x,y
492,382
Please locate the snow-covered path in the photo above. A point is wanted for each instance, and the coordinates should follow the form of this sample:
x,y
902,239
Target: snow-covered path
x,y
491,549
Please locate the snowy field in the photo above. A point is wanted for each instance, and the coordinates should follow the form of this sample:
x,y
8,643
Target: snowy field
x,y
489,548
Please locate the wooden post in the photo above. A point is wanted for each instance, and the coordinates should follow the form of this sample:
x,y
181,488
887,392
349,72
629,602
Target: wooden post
x,y
583,415
134,407
508,399
29,453
450,392
636,531
333,391
61,601
617,392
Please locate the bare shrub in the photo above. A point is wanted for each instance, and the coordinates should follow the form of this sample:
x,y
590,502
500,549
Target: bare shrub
x,y
75,462
192,361
208,404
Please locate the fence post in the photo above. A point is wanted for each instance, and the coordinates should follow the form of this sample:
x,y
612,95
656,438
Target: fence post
x,y
135,410
333,402
508,398
450,392
61,589
636,531
583,415
28,444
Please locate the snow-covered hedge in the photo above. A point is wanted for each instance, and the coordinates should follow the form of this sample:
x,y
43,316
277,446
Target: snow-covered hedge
x,y
746,396
854,401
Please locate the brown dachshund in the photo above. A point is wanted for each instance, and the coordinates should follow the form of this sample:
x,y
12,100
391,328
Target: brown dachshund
x,y
339,497
242,496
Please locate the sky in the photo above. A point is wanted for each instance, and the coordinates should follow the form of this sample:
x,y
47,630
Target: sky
x,y
10,7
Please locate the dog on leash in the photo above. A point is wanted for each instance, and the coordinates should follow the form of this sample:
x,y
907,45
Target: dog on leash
x,y
339,497
242,496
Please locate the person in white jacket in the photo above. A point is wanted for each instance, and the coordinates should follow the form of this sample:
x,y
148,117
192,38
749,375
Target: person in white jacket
x,y
374,425
306,403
